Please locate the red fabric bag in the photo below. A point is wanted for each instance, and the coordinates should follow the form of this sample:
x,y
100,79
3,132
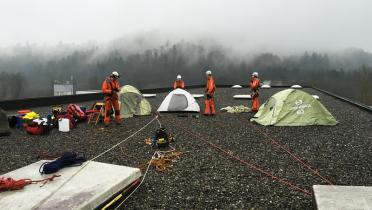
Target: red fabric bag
x,y
76,112
35,129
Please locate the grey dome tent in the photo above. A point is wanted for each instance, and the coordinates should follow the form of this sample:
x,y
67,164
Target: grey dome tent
x,y
4,124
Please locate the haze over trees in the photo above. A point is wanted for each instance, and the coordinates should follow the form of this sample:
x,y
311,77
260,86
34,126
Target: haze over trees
x,y
29,71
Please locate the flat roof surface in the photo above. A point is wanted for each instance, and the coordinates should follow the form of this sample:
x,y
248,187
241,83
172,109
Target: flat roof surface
x,y
204,177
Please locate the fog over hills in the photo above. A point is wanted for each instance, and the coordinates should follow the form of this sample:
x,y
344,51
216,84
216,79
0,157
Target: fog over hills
x,y
323,43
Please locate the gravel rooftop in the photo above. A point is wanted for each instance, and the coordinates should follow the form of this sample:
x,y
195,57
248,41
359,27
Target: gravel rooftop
x,y
204,178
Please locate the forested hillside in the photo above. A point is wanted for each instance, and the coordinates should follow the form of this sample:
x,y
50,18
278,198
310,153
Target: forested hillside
x,y
29,72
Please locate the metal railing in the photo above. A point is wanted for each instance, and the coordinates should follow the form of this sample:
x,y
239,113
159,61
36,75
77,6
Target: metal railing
x,y
361,106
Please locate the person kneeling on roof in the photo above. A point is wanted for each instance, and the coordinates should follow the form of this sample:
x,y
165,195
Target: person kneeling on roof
x,y
210,88
110,89
254,84
179,83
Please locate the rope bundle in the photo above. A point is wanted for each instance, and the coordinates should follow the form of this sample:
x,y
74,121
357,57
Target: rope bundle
x,y
12,184
66,160
162,161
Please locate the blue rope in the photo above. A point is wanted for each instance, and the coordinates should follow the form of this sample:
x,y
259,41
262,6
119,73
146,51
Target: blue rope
x,y
67,159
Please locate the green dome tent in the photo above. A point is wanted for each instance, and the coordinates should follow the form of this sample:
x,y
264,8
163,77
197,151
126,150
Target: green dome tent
x,y
132,102
293,107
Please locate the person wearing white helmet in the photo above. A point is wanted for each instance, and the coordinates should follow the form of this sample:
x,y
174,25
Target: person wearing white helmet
x,y
110,89
210,88
115,74
254,84
179,83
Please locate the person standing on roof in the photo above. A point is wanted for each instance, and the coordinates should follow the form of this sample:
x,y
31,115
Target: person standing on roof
x,y
210,88
179,83
110,89
254,84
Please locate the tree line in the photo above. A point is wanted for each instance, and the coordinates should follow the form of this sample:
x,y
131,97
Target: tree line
x,y
28,74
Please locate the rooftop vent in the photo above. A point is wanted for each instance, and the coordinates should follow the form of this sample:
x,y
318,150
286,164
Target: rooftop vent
x,y
236,86
296,86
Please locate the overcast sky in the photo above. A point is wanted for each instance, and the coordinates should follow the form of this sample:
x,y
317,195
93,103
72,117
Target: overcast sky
x,y
269,25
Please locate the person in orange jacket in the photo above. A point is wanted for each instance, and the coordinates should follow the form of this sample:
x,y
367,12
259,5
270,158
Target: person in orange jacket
x,y
110,89
179,83
210,88
254,84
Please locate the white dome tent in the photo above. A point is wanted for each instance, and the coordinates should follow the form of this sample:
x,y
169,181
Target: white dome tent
x,y
179,100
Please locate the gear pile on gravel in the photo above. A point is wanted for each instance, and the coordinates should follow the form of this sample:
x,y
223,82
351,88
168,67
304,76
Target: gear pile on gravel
x,y
205,178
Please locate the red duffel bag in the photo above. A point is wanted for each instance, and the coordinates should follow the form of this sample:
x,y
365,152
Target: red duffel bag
x,y
76,112
34,128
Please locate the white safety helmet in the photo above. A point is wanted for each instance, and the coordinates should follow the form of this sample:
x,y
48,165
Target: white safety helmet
x,y
208,72
255,74
115,74
179,77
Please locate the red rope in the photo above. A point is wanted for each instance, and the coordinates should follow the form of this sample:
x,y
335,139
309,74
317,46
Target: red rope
x,y
49,179
12,184
44,155
289,152
254,167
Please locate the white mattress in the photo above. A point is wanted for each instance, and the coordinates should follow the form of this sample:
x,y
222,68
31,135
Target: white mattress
x,y
90,187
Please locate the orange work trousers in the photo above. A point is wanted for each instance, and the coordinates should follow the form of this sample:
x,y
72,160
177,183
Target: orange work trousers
x,y
255,103
209,106
109,103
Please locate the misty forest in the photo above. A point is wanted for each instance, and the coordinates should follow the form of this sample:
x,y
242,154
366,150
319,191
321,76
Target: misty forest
x,y
29,71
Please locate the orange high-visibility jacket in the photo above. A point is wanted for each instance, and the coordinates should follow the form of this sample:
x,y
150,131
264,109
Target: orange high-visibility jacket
x,y
178,84
211,86
254,83
108,86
